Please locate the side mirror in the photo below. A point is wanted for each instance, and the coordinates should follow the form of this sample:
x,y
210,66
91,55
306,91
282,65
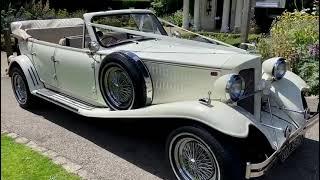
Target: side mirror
x,y
176,34
249,47
93,46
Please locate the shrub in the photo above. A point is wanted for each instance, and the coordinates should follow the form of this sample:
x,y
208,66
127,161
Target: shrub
x,y
264,48
78,13
291,36
175,18
308,68
253,27
38,10
292,32
163,7
62,13
233,39
3,48
158,6
7,17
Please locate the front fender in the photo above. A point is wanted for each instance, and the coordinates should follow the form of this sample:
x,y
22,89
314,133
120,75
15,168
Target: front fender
x,y
222,117
28,69
287,93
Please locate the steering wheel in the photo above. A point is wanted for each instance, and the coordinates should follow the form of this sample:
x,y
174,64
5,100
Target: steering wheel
x,y
108,40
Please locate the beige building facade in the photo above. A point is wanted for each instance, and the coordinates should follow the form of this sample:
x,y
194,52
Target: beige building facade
x,y
206,16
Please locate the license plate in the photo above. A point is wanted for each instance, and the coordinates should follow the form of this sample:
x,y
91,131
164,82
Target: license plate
x,y
291,147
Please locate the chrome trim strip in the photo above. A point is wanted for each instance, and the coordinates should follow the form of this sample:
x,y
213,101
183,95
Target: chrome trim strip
x,y
183,65
31,77
258,169
34,75
57,102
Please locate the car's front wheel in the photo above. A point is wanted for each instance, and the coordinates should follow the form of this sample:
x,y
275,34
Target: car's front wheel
x,y
194,153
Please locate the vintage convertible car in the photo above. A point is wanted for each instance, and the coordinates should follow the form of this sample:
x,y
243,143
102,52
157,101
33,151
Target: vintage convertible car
x,y
235,116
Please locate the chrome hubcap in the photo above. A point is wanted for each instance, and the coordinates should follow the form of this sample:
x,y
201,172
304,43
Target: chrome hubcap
x,y
119,87
195,160
20,89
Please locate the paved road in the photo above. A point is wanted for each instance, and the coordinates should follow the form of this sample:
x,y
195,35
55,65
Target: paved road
x,y
119,149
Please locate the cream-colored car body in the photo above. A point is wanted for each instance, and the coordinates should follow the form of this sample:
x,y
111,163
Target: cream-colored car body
x,y
181,75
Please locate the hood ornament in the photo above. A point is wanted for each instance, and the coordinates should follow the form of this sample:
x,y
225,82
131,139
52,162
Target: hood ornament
x,y
206,101
209,98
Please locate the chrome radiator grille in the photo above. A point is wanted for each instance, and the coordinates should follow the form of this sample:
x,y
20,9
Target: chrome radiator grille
x,y
248,103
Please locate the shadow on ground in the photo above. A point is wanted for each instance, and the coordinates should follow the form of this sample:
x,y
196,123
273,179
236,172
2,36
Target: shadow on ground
x,y
142,142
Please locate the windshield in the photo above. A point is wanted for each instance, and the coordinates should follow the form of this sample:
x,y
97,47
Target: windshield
x,y
134,21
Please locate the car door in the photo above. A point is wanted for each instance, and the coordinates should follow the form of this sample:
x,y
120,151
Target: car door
x,y
42,56
75,72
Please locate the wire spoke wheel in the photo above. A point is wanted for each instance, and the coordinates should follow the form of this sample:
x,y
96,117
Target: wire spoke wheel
x,y
119,87
20,89
194,159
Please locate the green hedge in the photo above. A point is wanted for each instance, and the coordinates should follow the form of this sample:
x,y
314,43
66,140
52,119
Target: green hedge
x,y
229,38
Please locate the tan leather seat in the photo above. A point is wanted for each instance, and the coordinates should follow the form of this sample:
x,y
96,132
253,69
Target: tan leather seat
x,y
62,42
54,35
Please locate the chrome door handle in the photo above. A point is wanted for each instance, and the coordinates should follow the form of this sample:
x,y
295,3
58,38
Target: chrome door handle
x,y
54,59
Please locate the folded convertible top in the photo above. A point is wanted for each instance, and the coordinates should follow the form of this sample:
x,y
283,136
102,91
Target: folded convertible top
x,y
19,28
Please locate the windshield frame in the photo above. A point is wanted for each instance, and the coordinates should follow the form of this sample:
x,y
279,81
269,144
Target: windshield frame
x,y
155,18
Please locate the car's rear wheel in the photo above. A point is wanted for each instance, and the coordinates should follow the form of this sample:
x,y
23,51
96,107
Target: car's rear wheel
x,y
193,153
21,89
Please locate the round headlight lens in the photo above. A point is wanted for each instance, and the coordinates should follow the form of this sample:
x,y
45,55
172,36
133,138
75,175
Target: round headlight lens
x,y
235,87
279,69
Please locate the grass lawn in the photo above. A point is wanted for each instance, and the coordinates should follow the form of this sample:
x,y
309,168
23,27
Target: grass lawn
x,y
20,162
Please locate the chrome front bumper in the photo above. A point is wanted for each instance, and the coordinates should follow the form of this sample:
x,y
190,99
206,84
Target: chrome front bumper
x,y
258,169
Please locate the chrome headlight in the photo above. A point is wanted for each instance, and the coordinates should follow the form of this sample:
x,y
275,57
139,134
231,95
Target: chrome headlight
x,y
235,87
279,69
275,67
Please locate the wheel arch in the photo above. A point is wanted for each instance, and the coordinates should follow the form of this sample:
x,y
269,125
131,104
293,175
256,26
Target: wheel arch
x,y
24,63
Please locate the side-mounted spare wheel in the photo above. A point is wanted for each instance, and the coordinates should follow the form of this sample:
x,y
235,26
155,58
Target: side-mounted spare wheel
x,y
194,153
124,81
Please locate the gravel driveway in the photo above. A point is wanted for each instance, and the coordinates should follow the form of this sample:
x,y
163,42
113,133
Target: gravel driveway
x,y
122,149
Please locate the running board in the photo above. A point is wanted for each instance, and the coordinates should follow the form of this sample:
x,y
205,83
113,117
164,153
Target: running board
x,y
62,100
